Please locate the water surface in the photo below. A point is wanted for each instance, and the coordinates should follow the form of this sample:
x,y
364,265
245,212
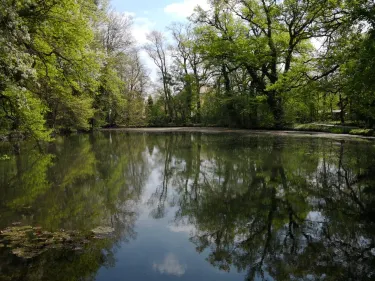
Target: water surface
x,y
193,206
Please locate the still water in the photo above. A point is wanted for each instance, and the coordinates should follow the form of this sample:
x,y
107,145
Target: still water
x,y
188,206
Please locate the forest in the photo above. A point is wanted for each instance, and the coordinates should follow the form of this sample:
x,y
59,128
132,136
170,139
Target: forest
x,y
73,65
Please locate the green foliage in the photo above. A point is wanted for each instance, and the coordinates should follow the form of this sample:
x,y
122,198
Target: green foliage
x,y
47,68
274,63
55,75
360,86
5,157
362,132
72,65
110,102
155,112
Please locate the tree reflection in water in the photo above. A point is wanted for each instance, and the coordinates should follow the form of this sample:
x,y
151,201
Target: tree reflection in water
x,y
276,208
80,183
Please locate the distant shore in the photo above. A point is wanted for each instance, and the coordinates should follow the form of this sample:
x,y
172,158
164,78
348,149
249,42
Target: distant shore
x,y
217,130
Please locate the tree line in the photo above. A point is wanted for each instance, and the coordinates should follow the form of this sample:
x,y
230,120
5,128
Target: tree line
x,y
268,63
74,65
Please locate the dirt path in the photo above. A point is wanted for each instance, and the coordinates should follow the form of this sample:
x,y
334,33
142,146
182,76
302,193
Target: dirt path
x,y
240,131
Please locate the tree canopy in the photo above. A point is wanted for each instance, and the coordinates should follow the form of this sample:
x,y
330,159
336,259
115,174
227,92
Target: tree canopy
x,y
74,65
64,66
267,63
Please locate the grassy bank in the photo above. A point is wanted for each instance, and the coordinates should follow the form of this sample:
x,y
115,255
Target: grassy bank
x,y
334,129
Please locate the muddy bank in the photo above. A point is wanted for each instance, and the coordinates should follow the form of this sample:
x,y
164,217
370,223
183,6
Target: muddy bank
x,y
209,130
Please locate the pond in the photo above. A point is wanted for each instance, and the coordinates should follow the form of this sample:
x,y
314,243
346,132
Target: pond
x,y
188,206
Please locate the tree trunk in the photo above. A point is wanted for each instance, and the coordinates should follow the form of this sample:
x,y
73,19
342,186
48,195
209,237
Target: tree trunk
x,y
275,103
198,93
228,93
342,109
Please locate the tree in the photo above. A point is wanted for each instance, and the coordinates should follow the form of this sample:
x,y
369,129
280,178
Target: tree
x,y
39,69
60,65
270,39
136,78
157,50
190,66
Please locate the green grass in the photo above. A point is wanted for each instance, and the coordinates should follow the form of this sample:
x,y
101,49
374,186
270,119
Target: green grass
x,y
334,129
362,132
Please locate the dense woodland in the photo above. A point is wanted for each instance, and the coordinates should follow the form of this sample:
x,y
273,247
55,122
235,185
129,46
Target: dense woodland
x,y
69,65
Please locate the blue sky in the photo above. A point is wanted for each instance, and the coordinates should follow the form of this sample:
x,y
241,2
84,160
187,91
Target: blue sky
x,y
155,14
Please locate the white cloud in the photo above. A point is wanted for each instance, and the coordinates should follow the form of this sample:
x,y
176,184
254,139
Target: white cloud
x,y
126,13
170,266
184,228
185,8
142,26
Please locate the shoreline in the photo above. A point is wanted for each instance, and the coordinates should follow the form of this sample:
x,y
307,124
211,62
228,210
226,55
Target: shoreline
x,y
218,130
